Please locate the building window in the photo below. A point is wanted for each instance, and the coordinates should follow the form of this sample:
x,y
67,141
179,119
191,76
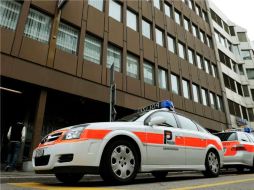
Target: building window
x,y
186,23
206,65
205,16
115,10
157,4
9,11
38,26
163,79
114,56
178,17
171,44
191,56
251,114
250,73
146,29
252,93
217,36
199,61
204,97
168,10
240,68
181,50
231,107
131,20
132,66
190,4
67,38
242,36
239,88
186,89
98,4
195,30
244,112
196,93
246,54
149,73
214,70
202,37
209,41
175,84
159,37
246,91
219,103
198,10
92,49
232,30
212,100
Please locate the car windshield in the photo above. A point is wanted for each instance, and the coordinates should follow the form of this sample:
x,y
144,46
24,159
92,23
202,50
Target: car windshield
x,y
227,136
132,117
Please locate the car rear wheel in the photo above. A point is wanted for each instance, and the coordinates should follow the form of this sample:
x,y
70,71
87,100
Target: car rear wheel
x,y
120,162
160,175
212,164
69,178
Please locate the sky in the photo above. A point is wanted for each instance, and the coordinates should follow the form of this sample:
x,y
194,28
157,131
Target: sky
x,y
241,12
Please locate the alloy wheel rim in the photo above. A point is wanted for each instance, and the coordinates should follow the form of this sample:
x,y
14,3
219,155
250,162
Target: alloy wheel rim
x,y
213,162
122,161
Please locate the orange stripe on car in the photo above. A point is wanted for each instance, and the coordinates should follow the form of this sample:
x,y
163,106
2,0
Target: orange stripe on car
x,y
153,138
94,134
228,146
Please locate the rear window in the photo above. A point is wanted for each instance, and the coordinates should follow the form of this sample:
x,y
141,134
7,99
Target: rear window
x,y
227,136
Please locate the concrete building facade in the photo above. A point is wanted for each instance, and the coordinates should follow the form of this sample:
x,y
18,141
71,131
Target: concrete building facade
x,y
55,62
235,55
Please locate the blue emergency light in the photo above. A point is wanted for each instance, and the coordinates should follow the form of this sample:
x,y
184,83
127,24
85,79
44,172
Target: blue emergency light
x,y
247,129
167,104
158,105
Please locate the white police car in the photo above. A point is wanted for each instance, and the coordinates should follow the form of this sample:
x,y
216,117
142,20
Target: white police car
x,y
155,139
238,145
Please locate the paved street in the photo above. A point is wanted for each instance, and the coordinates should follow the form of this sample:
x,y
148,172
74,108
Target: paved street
x,y
176,181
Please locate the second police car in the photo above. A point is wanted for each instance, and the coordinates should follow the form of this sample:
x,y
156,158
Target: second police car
x,y
155,139
238,145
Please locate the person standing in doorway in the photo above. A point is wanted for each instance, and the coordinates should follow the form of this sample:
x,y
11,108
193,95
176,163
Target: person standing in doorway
x,y
16,135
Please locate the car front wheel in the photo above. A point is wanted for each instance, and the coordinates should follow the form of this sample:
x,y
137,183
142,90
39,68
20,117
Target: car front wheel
x,y
120,162
212,165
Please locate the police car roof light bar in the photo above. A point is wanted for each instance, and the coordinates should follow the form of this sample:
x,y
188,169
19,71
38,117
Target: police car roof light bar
x,y
158,105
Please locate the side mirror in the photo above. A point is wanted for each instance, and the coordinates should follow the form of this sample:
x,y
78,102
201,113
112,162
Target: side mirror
x,y
157,120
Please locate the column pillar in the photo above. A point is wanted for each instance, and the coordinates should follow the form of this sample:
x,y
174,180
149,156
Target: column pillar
x,y
38,122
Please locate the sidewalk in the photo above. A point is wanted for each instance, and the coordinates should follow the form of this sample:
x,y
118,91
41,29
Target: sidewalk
x,y
21,176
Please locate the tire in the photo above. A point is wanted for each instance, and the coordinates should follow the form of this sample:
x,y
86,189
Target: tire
x,y
212,164
120,162
160,175
69,178
252,168
240,169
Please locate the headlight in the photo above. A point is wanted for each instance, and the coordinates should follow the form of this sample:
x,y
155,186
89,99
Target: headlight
x,y
73,133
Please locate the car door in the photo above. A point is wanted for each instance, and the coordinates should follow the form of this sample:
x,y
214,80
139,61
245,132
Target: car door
x,y
161,141
195,141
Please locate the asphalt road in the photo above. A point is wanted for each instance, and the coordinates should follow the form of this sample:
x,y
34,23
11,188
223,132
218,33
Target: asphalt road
x,y
175,181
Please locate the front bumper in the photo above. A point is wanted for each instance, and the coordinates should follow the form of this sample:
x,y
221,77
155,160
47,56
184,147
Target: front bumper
x,y
60,158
